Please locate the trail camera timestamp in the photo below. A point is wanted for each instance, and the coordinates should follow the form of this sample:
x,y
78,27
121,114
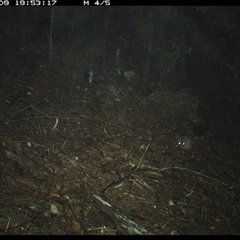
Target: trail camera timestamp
x,y
35,2
28,3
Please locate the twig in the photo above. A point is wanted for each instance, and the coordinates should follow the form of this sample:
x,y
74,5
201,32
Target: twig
x,y
124,224
65,143
9,219
133,165
139,163
17,102
55,125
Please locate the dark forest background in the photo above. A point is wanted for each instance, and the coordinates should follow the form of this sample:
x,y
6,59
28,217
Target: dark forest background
x,y
170,47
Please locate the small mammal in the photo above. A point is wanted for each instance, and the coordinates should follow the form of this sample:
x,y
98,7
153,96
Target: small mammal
x,y
185,142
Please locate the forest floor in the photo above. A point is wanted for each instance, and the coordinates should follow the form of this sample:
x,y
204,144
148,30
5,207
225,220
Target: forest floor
x,y
102,159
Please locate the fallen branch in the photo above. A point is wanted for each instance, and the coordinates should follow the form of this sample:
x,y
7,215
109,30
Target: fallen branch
x,y
124,225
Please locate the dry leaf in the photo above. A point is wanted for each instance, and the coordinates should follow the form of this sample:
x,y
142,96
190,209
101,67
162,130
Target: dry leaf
x,y
54,209
76,227
171,203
